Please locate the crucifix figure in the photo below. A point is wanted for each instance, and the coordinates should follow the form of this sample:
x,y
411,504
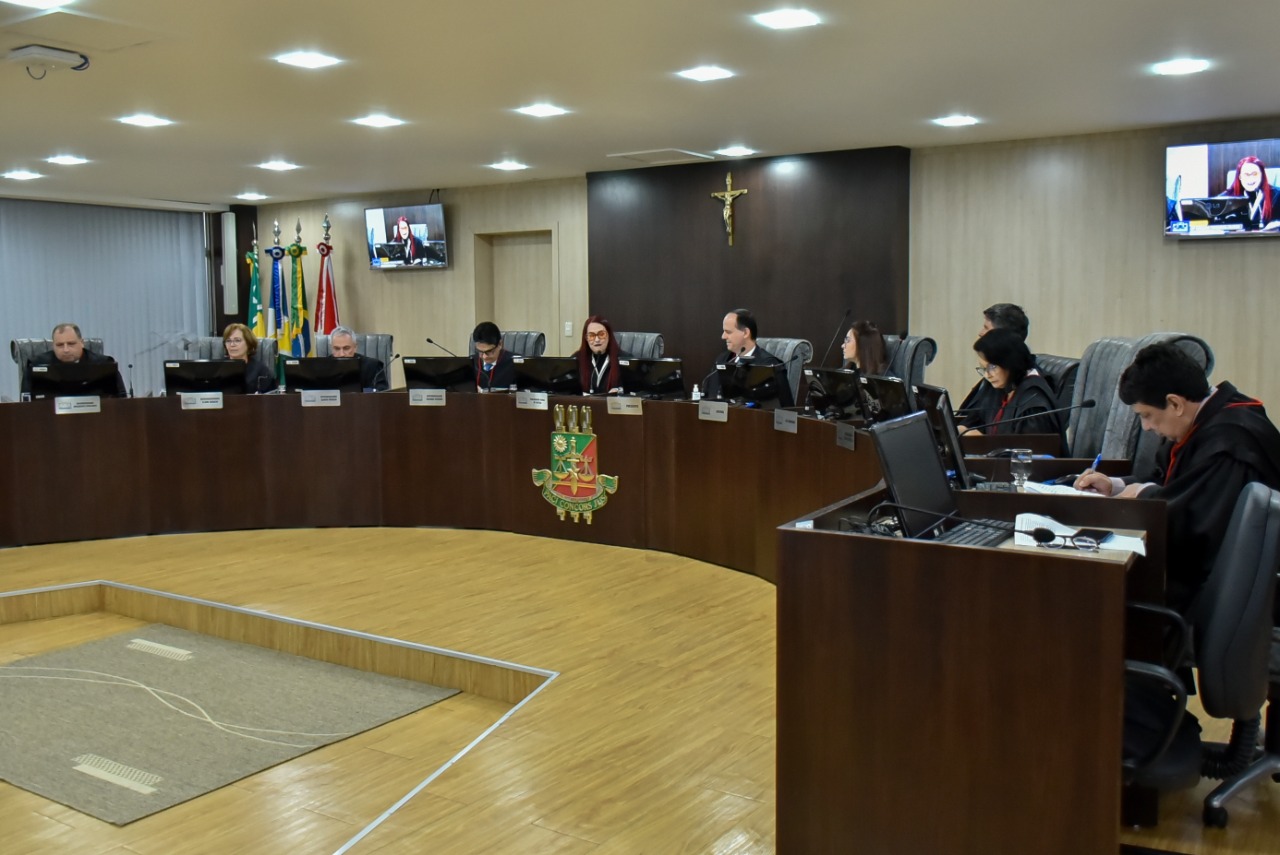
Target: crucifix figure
x,y
727,196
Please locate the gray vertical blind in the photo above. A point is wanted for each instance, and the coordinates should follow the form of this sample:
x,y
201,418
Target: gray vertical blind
x,y
135,278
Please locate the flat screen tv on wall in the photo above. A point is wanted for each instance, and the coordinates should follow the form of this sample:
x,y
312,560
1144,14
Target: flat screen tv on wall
x,y
1223,190
407,237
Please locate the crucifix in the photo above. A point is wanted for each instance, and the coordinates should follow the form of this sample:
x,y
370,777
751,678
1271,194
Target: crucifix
x,y
727,196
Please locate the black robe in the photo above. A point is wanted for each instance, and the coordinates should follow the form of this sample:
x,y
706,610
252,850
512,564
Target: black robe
x,y
979,406
258,378
1232,443
49,358
373,374
1033,395
500,378
759,357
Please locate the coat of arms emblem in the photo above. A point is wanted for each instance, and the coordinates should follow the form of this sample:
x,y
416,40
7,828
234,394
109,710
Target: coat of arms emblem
x,y
574,483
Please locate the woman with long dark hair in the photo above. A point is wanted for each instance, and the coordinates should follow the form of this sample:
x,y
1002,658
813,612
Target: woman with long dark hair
x,y
1264,200
864,349
598,357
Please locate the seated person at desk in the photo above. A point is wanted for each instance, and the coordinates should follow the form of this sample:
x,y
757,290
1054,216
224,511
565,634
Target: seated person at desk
x,y
980,405
373,374
68,346
495,368
414,248
864,349
1215,441
598,357
739,331
1024,399
1264,200
240,343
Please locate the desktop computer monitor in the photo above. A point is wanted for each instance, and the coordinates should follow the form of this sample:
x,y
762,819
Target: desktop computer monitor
x,y
555,375
752,383
936,404
204,375
652,378
836,393
913,474
1218,210
886,398
322,373
454,373
66,379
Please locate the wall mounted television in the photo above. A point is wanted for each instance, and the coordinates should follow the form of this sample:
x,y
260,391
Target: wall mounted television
x,y
407,237
1223,190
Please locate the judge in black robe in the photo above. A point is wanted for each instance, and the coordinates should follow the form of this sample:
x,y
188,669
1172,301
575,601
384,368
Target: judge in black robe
x,y
1023,399
494,367
738,331
598,356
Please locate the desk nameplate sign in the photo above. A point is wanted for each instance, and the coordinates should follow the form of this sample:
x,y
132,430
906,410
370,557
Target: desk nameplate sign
x,y
846,436
625,406
786,421
713,411
531,401
201,400
77,404
427,397
321,398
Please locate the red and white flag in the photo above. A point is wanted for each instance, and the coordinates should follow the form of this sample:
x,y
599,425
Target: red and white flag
x,y
326,317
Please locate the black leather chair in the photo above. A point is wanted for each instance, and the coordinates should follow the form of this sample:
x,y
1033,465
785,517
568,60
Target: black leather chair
x,y
1061,372
1229,628
909,355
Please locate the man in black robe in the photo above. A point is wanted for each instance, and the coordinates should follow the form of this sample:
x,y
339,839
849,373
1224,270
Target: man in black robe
x,y
495,368
738,331
373,374
1216,440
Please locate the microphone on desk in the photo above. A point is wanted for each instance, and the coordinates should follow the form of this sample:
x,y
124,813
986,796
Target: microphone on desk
x,y
382,372
437,344
1084,405
130,368
1039,534
842,326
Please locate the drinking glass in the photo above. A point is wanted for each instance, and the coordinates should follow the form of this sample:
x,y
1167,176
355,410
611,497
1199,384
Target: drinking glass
x,y
1020,465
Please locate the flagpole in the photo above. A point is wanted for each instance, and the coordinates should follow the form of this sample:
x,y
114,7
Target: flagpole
x,y
326,298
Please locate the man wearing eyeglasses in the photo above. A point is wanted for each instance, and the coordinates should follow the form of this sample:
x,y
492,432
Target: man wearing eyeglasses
x,y
495,368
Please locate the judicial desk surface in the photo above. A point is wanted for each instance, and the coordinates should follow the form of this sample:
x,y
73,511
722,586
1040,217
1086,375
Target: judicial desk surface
x,y
708,490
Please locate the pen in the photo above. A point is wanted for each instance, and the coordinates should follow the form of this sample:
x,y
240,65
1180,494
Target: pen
x,y
1096,461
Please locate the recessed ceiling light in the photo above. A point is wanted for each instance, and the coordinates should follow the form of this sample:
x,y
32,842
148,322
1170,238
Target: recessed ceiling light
x,y
1180,66
787,19
145,120
307,59
955,121
278,165
66,160
542,110
22,175
703,73
40,4
508,165
378,120
735,151
251,197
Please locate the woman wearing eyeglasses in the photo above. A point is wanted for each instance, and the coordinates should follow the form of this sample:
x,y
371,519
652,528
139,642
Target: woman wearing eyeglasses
x,y
1024,396
864,349
598,357
241,344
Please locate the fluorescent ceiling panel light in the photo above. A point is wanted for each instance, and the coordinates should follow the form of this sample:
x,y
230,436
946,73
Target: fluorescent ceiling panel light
x,y
703,73
956,121
66,160
378,120
786,19
508,165
40,4
144,120
542,110
278,165
1180,66
735,151
307,59
22,175
251,197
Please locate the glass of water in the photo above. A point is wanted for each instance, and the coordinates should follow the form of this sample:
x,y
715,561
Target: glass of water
x,y
1020,465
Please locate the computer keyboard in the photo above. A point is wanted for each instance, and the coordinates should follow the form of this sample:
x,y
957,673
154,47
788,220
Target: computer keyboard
x,y
974,534
997,486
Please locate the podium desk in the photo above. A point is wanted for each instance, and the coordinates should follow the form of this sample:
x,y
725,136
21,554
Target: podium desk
x,y
936,698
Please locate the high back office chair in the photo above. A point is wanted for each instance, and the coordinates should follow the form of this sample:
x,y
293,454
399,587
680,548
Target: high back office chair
x,y
25,349
1230,630
795,353
1061,373
377,345
210,347
909,355
643,345
1142,445
518,343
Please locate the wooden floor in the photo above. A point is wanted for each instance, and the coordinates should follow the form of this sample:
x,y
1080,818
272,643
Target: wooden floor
x,y
656,737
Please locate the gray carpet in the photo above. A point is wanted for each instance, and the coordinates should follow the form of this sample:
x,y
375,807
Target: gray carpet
x,y
132,724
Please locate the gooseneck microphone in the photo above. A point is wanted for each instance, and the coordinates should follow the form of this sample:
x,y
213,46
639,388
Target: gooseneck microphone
x,y
1084,405
843,325
382,372
435,343
130,364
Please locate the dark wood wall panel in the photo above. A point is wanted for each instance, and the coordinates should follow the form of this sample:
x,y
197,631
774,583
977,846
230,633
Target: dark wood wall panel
x,y
815,234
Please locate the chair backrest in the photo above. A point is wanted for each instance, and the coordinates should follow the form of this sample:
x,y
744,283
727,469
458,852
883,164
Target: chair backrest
x,y
1142,444
795,353
1232,616
909,355
24,349
518,343
377,345
210,347
645,345
1061,373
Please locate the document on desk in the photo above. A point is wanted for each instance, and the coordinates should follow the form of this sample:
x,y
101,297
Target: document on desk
x,y
1030,522
1056,489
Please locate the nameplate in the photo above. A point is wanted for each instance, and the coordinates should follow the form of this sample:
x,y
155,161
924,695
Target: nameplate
x,y
846,436
626,406
531,400
201,400
321,398
713,411
427,397
77,404
786,421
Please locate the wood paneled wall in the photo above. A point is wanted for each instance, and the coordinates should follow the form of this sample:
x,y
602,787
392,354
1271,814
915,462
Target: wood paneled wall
x,y
814,235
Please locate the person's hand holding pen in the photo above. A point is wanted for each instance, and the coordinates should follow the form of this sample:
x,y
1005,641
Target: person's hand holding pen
x,y
1093,481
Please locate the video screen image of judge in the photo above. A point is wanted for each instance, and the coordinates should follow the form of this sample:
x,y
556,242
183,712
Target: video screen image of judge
x,y
836,393
886,397
913,474
1223,190
652,378
555,375
752,383
936,404
70,379
204,375
322,374
417,243
453,373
